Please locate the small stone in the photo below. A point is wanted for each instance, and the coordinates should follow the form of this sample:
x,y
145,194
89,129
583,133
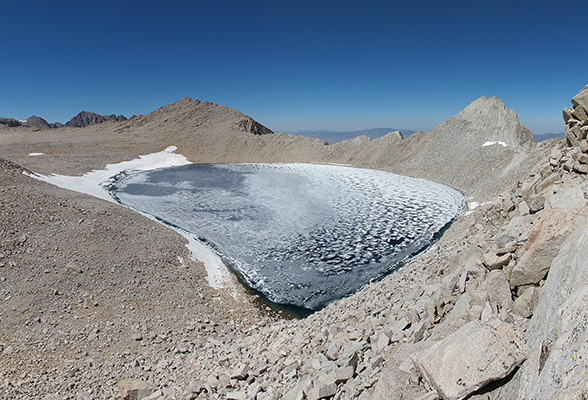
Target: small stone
x,y
236,396
584,146
524,209
583,158
508,205
72,266
240,372
83,395
526,303
536,203
157,395
322,391
581,168
135,389
196,387
493,261
380,342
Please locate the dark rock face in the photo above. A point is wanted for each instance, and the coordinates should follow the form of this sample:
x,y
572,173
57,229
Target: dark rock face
x,y
86,118
254,127
36,123
11,122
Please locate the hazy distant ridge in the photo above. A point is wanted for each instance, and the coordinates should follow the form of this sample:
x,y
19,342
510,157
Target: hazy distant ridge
x,y
335,136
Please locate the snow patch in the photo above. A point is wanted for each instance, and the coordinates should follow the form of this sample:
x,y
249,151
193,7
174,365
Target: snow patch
x,y
95,182
503,144
36,154
217,273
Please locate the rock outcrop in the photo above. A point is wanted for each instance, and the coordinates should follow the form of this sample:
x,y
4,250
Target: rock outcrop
x,y
576,120
86,118
9,122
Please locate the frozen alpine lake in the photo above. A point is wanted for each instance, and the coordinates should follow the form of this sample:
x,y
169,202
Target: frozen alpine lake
x,y
299,234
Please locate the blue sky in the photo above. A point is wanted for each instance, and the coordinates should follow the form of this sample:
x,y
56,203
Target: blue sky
x,y
336,65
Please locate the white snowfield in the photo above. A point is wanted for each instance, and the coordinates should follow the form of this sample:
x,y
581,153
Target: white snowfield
x,y
501,143
95,182
36,154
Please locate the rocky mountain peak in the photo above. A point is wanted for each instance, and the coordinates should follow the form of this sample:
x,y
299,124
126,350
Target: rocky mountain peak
x,y
86,118
36,123
487,120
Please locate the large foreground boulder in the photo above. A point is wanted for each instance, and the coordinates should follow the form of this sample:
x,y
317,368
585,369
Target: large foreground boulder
x,y
557,336
543,245
467,360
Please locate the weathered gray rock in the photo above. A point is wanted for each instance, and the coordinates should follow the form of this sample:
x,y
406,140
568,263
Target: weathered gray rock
x,y
493,261
536,204
524,209
72,266
543,244
395,385
568,197
581,99
497,287
135,389
526,303
583,158
580,113
321,390
236,395
453,366
557,335
567,115
240,372
580,168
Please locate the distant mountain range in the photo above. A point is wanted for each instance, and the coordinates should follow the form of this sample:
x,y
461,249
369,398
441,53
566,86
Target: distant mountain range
x,y
81,120
336,136
540,137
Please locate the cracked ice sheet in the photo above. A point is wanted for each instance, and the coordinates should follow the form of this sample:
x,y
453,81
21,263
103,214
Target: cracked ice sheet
x,y
301,234
95,182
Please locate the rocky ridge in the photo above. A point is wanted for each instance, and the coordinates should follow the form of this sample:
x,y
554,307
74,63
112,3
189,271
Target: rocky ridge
x,y
509,278
86,118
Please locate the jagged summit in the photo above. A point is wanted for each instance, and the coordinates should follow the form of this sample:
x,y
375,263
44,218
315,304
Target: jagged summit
x,y
488,119
86,118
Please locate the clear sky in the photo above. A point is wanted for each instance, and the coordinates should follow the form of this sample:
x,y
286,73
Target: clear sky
x,y
338,65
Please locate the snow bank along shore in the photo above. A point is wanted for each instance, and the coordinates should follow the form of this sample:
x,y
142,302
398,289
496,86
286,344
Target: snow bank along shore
x,y
95,183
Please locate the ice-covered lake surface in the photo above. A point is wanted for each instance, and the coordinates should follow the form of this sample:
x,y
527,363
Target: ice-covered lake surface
x,y
300,234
